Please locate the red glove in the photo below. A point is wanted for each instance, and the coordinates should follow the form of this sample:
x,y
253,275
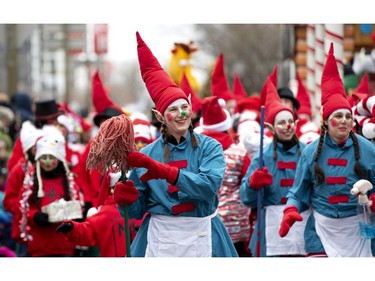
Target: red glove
x,y
125,193
156,170
372,198
260,178
291,215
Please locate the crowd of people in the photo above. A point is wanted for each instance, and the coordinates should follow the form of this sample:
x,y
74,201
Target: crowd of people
x,y
228,175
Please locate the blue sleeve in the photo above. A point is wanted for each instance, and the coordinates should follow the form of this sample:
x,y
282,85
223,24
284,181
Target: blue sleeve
x,y
300,193
207,182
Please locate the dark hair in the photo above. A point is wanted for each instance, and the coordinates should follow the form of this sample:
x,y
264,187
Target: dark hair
x,y
319,173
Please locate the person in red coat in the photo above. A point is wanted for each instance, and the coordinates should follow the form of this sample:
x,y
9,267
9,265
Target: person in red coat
x,y
28,136
49,195
105,229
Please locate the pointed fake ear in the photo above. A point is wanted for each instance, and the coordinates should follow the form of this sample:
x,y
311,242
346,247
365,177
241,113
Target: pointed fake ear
x,y
270,127
189,98
159,116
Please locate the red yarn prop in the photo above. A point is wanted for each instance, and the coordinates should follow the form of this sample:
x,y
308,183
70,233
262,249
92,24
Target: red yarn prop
x,y
111,145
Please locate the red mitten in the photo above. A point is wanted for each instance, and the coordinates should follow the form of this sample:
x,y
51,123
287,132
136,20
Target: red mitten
x,y
260,178
372,206
156,170
125,193
291,215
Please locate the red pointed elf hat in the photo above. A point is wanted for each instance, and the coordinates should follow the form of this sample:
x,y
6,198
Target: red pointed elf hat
x,y
219,84
332,87
196,101
214,116
303,98
103,105
162,89
263,92
273,103
238,89
100,97
361,92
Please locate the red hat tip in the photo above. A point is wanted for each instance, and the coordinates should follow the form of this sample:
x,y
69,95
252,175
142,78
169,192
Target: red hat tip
x,y
331,49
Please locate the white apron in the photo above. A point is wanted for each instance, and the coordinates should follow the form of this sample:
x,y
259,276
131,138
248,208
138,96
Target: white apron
x,y
340,237
170,236
293,243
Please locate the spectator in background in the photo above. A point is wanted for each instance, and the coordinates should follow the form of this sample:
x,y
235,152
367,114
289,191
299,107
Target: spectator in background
x,y
28,135
23,107
287,98
46,113
8,117
7,120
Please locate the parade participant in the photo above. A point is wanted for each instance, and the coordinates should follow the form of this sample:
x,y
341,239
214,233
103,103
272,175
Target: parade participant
x,y
105,109
220,86
327,171
28,136
215,123
280,159
176,179
287,98
48,196
103,229
363,109
247,125
306,130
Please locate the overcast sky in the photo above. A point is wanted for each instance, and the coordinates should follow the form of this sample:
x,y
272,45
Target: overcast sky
x,y
122,45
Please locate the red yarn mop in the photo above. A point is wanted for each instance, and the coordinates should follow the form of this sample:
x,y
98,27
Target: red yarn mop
x,y
109,150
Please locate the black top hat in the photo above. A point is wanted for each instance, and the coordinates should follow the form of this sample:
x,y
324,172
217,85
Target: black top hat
x,y
106,114
287,93
45,110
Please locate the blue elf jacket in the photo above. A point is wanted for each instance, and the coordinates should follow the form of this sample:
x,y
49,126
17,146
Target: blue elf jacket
x,y
195,194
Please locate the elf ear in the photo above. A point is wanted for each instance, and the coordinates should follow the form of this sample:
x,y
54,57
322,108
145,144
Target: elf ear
x,y
189,98
158,116
270,127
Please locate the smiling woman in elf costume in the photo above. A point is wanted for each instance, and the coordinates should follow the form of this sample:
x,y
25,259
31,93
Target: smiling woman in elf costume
x,y
327,171
176,178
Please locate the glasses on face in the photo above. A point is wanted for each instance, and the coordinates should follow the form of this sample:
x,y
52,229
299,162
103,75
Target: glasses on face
x,y
285,124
